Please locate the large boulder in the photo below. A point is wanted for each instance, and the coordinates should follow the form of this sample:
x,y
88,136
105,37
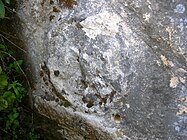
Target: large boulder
x,y
109,69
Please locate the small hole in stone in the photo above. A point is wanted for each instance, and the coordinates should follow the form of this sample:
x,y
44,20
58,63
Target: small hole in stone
x,y
57,100
67,104
46,83
56,73
41,74
125,95
84,99
44,79
51,2
116,117
59,19
51,17
86,111
89,104
55,9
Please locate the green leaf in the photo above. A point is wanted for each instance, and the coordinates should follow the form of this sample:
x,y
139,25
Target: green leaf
x,y
8,124
17,88
20,62
13,85
2,9
16,65
1,70
3,104
7,1
12,121
16,124
3,47
13,116
3,80
33,136
9,96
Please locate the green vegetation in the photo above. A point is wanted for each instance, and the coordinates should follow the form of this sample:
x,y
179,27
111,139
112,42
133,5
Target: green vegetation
x,y
2,7
12,92
16,119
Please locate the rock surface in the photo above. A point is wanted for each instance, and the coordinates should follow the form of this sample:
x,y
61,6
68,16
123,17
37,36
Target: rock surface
x,y
109,69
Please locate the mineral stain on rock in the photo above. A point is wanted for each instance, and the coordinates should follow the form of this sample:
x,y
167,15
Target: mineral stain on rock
x,y
68,3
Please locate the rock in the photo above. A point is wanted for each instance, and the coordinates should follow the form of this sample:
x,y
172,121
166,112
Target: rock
x,y
107,69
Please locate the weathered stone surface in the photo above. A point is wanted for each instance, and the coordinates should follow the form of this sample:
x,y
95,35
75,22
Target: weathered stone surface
x,y
109,69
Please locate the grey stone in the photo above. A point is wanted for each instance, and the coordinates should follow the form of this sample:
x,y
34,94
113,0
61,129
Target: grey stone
x,y
109,69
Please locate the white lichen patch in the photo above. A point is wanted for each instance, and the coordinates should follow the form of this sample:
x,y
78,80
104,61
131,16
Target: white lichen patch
x,y
174,82
166,61
181,70
184,99
127,105
182,80
105,23
146,17
104,90
180,8
182,110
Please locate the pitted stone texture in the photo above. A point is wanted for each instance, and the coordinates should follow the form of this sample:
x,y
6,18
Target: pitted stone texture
x,y
119,67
